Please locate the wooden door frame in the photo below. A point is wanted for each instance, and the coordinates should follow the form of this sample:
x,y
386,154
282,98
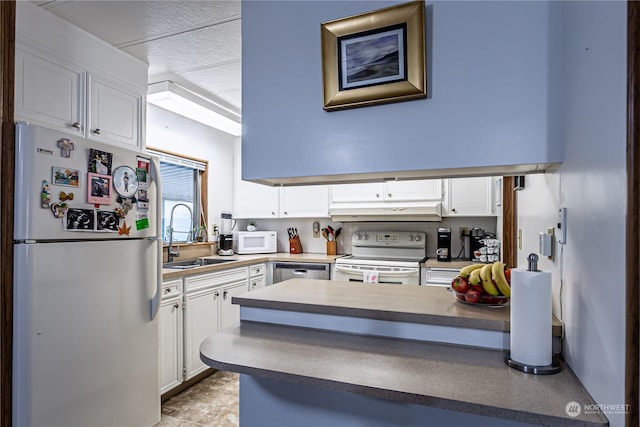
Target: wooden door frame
x,y
7,67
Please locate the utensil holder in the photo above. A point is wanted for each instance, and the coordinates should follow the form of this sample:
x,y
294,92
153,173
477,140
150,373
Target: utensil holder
x,y
295,247
331,247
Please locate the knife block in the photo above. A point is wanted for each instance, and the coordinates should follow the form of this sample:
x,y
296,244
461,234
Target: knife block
x,y
295,247
331,247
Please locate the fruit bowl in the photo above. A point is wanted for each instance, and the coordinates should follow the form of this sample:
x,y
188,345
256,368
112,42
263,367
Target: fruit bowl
x,y
484,299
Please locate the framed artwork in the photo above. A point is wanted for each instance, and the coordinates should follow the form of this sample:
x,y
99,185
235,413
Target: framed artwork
x,y
125,181
107,221
98,189
374,58
65,176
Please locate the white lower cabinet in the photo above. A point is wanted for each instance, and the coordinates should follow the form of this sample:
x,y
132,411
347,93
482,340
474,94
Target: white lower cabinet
x,y
200,322
230,313
189,318
170,344
257,276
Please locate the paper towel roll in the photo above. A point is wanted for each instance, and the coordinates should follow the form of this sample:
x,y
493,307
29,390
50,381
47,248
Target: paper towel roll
x,y
531,317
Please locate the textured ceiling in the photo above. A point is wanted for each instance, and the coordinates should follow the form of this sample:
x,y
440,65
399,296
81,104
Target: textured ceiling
x,y
196,44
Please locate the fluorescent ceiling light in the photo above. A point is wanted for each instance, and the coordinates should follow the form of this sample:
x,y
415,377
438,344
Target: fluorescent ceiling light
x,y
181,101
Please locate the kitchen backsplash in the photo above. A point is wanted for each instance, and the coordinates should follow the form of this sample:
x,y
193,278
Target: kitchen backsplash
x,y
318,245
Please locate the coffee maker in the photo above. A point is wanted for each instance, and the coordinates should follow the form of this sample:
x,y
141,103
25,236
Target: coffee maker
x,y
225,241
444,244
475,241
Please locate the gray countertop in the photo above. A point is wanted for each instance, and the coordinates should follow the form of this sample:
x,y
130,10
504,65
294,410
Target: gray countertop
x,y
243,260
418,304
463,379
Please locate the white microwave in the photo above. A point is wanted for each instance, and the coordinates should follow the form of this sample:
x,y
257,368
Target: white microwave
x,y
255,242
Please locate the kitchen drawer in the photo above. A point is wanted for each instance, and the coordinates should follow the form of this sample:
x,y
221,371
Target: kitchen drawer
x,y
171,289
439,276
257,283
201,281
257,270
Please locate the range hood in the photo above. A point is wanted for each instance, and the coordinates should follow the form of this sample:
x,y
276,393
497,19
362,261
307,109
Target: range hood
x,y
357,212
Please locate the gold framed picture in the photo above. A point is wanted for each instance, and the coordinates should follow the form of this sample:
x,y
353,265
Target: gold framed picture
x,y
374,58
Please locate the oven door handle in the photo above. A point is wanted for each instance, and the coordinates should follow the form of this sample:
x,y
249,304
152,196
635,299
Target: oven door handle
x,y
347,270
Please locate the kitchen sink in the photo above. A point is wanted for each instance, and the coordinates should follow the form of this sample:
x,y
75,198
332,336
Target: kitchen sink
x,y
193,263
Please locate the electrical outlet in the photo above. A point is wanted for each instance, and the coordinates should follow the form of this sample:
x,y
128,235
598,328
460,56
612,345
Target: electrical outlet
x,y
463,231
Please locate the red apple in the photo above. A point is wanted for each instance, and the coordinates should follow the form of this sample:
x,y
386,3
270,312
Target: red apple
x,y
473,296
462,285
478,288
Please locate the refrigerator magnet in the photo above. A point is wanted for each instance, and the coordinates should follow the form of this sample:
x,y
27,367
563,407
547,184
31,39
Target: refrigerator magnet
x,y
107,221
65,176
66,147
124,230
99,189
125,181
143,169
59,209
45,195
79,220
100,162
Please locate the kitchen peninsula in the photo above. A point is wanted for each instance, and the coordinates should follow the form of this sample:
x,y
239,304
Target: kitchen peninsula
x,y
317,352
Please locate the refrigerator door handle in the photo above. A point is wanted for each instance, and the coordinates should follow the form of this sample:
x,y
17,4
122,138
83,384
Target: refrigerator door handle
x,y
155,176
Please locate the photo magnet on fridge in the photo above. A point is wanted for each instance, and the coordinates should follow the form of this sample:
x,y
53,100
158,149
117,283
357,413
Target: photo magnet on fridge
x,y
79,220
100,161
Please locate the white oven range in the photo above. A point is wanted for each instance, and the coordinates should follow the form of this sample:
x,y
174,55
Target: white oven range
x,y
391,257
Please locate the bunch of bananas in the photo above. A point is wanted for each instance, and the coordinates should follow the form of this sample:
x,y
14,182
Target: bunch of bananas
x,y
481,282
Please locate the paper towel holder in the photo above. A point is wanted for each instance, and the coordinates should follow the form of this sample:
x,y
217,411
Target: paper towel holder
x,y
553,368
555,365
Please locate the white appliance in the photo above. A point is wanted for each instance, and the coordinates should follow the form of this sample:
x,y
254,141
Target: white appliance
x,y
86,289
255,242
392,257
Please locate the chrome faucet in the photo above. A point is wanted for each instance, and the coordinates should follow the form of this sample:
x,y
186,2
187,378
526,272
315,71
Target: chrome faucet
x,y
173,253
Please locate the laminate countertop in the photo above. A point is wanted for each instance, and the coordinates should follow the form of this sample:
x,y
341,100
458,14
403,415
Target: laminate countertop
x,y
418,304
244,260
469,380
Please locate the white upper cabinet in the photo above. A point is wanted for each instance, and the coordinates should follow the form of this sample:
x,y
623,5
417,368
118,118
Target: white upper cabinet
x,y
367,192
114,113
427,189
390,191
469,197
255,200
70,81
304,202
49,93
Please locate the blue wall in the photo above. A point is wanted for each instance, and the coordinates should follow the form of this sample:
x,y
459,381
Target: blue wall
x,y
493,78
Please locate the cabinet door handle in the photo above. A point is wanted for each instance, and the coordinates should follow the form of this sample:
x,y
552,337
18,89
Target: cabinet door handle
x,y
176,305
389,195
273,213
76,125
253,285
224,295
217,294
96,131
286,213
377,195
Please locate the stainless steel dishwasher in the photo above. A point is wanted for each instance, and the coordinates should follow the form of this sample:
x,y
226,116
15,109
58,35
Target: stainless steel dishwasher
x,y
300,270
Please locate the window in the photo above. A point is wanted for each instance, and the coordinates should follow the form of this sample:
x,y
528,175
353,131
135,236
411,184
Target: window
x,y
181,196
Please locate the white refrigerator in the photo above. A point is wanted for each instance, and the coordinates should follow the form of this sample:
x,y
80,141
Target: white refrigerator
x,y
87,280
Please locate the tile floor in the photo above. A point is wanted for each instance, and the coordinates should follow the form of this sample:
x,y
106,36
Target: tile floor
x,y
213,402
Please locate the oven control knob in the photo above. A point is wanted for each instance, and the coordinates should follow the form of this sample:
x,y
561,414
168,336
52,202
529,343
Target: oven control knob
x,y
366,237
359,236
411,237
418,238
